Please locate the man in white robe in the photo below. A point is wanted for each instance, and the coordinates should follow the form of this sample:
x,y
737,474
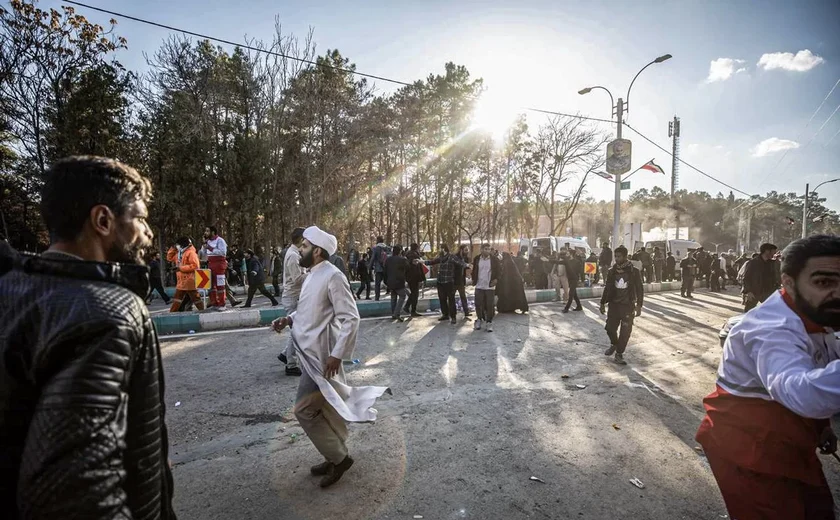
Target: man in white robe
x,y
293,277
323,330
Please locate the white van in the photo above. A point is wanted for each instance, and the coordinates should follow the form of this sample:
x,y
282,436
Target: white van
x,y
551,244
680,248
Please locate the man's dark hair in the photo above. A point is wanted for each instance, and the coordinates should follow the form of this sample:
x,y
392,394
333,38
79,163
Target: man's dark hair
x,y
621,249
324,255
486,244
606,244
183,241
380,239
213,230
396,250
297,234
444,248
766,247
74,185
642,249
249,252
415,246
797,253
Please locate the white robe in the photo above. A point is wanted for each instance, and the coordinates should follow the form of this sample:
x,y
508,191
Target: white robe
x,y
325,324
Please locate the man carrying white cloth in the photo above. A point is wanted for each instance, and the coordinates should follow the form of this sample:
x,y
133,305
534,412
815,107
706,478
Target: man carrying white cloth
x,y
324,329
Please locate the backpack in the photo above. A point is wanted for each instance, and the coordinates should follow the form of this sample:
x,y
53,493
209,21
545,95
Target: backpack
x,y
383,256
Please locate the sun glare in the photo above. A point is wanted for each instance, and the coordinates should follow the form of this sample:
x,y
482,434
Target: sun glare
x,y
494,114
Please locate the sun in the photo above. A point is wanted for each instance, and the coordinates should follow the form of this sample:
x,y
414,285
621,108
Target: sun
x,y
495,114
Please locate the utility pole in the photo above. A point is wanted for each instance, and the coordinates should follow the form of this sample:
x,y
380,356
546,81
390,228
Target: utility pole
x,y
805,214
674,133
619,108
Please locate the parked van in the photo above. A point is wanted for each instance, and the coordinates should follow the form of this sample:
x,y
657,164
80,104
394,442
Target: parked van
x,y
680,248
551,244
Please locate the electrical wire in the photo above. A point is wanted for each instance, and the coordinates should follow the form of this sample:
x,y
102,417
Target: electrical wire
x,y
698,170
302,60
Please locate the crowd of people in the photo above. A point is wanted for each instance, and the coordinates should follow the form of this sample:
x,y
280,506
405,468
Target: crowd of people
x,y
82,409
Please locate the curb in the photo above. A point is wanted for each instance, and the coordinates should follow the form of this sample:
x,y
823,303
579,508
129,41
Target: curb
x,y
187,322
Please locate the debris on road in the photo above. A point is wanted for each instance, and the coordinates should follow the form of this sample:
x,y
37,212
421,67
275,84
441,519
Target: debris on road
x,y
537,479
638,483
617,427
292,438
564,376
699,448
680,352
581,386
177,403
192,332
418,517
517,341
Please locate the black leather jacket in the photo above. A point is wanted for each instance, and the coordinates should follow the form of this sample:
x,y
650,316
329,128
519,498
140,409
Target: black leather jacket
x,y
82,431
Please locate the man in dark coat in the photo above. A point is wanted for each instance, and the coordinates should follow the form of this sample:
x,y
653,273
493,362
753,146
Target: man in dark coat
x,y
760,279
396,272
256,279
688,268
81,376
670,267
605,259
155,280
416,276
624,293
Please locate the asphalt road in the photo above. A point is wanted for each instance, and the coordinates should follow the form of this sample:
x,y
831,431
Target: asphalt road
x,y
474,415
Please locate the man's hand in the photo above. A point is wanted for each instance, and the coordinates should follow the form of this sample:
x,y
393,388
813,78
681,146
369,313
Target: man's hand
x,y
828,441
602,309
280,323
332,366
493,283
638,311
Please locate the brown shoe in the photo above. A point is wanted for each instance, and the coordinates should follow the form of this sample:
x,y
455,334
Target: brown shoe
x,y
321,469
336,471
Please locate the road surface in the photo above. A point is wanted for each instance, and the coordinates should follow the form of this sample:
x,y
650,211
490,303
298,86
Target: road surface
x,y
473,417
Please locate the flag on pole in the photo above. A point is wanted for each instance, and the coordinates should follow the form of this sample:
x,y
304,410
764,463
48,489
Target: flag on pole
x,y
652,166
605,175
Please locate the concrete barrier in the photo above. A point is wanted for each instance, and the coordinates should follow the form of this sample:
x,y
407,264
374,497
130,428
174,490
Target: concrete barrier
x,y
184,322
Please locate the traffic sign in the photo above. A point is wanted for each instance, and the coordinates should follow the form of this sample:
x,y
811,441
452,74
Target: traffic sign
x,y
619,152
625,185
202,278
590,268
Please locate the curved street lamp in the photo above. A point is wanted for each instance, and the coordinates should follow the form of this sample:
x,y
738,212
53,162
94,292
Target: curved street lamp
x,y
618,109
805,205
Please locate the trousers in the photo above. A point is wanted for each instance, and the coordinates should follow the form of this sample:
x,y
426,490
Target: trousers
x,y
561,286
572,296
157,286
465,306
218,267
413,296
364,285
446,295
378,284
754,496
687,285
397,301
252,290
179,297
291,355
485,304
325,428
620,316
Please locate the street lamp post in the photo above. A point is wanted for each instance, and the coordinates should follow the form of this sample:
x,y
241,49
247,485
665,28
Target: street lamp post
x,y
618,110
805,206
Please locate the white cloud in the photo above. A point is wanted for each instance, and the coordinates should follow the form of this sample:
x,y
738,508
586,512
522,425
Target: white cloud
x,y
800,62
773,145
722,69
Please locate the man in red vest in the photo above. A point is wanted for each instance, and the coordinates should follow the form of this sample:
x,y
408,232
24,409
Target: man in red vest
x,y
216,248
778,385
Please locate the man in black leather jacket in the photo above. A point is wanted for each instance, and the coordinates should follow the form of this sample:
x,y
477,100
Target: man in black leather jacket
x,y
82,432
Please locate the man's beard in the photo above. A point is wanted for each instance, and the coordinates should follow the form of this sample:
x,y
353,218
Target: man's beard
x,y
821,314
307,259
124,253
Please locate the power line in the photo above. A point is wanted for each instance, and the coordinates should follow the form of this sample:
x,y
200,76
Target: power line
x,y
799,135
302,60
244,46
698,170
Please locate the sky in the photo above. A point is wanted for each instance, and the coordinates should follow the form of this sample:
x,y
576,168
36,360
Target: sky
x,y
746,78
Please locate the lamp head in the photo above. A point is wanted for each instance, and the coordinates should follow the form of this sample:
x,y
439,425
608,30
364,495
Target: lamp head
x,y
587,90
662,58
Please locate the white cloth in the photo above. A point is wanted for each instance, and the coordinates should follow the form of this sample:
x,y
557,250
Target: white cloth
x,y
325,324
722,263
293,276
216,247
484,273
769,355
320,238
